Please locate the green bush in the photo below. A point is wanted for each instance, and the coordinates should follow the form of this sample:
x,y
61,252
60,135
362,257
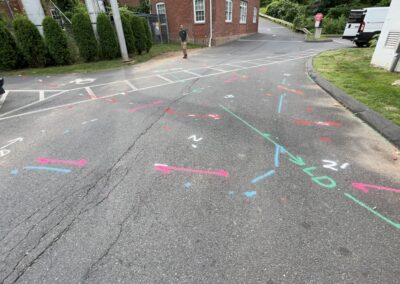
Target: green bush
x,y
129,37
149,37
84,36
109,48
334,26
10,54
338,11
374,40
56,41
30,41
139,33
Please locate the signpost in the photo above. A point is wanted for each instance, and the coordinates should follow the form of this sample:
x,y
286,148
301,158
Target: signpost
x,y
318,19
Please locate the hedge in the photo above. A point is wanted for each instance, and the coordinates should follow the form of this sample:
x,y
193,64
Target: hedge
x,y
84,36
109,48
139,33
129,37
149,37
30,41
10,54
56,41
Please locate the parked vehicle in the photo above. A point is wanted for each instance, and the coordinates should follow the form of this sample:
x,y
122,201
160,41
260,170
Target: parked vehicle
x,y
364,24
1,86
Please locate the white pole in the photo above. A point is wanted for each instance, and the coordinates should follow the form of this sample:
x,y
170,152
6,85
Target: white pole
x,y
211,24
120,31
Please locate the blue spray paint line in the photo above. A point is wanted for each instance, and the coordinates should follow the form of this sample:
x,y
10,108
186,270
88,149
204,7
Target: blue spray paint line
x,y
188,184
66,131
280,103
48,169
278,151
250,193
284,81
14,172
267,174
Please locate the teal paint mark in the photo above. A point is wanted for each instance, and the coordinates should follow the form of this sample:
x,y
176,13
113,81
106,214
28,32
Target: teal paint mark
x,y
277,152
309,170
250,193
331,183
14,172
49,169
261,177
297,160
188,184
280,103
387,220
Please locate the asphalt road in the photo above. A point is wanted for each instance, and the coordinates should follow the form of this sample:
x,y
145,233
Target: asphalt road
x,y
229,167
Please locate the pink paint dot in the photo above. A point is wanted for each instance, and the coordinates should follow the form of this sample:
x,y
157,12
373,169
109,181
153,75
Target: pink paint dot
x,y
325,139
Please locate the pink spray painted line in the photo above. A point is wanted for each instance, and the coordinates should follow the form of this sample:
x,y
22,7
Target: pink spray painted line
x,y
211,115
326,123
363,187
155,103
168,169
45,161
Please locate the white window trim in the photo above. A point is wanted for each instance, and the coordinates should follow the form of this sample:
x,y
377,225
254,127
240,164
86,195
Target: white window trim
x,y
245,4
255,12
194,12
231,5
160,4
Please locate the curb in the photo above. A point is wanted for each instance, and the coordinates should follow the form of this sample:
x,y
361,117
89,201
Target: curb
x,y
382,125
324,40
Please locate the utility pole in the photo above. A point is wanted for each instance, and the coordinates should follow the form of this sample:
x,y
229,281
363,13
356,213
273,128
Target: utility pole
x,y
120,31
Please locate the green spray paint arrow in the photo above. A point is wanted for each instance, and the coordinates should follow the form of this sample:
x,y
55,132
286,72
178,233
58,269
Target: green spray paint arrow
x,y
297,160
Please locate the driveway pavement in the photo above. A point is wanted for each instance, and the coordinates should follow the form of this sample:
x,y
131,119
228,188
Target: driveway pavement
x,y
230,167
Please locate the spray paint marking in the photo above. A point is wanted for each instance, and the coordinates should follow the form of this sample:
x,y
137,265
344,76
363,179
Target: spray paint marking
x,y
250,193
364,187
332,165
325,139
280,103
188,184
326,123
387,220
45,161
168,169
48,169
310,109
278,151
194,138
267,174
171,111
14,172
155,103
293,91
297,160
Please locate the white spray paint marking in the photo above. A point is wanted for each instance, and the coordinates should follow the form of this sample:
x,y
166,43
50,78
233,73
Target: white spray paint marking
x,y
80,81
229,96
165,79
194,138
41,95
332,165
91,94
4,152
130,85
10,142
345,165
3,98
194,146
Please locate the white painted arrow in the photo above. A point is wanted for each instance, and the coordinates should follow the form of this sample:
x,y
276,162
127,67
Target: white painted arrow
x,y
19,139
80,81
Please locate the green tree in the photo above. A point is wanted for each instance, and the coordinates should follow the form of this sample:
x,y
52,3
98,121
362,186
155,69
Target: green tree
x,y
129,37
10,54
139,33
66,5
30,41
149,37
56,41
109,48
84,36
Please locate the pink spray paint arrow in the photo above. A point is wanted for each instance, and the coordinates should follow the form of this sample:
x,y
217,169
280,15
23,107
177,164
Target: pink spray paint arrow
x,y
45,161
211,115
168,169
326,123
363,187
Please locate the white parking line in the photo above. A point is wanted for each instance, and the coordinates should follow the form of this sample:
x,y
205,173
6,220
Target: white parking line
x,y
130,85
166,79
189,72
41,95
150,87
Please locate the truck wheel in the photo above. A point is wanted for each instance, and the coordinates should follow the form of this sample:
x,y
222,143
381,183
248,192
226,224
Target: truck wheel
x,y
360,44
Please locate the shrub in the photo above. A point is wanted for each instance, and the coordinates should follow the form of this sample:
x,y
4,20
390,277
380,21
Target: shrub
x,y
139,33
84,36
30,41
338,11
374,40
56,41
334,26
273,9
109,48
10,54
149,37
129,37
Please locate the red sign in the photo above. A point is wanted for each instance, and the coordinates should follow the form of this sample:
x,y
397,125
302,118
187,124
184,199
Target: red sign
x,y
318,17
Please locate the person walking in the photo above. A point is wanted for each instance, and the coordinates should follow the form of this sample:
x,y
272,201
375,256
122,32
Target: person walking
x,y
183,36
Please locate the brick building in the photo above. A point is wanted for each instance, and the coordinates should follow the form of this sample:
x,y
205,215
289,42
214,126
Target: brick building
x,y
131,3
231,19
11,7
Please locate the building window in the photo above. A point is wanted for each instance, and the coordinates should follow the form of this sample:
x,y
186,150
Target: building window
x,y
160,8
243,12
255,15
228,11
199,11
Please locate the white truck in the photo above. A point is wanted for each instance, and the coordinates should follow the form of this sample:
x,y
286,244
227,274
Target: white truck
x,y
363,24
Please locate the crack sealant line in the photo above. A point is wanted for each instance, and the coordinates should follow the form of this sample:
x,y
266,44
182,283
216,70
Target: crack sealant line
x,y
117,94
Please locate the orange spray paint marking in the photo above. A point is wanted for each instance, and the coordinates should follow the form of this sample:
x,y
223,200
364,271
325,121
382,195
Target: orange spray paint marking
x,y
296,92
